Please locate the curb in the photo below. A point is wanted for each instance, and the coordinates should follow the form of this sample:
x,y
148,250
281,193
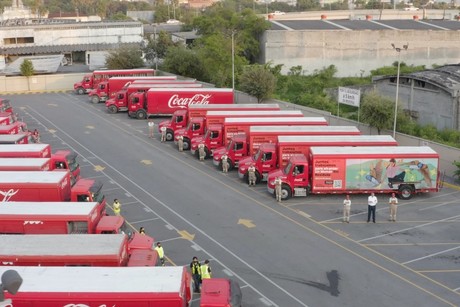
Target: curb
x,y
450,185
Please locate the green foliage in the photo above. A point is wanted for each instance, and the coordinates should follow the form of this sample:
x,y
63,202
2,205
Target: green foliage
x,y
377,111
156,48
124,58
393,70
258,81
457,171
185,62
119,16
27,68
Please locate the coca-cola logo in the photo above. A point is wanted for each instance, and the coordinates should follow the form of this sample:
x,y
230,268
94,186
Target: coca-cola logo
x,y
182,102
8,194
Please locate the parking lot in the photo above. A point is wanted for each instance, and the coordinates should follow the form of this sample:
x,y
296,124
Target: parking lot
x,y
297,253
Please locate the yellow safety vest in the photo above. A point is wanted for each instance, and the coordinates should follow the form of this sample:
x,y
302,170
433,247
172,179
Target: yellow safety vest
x,y
160,251
205,271
116,207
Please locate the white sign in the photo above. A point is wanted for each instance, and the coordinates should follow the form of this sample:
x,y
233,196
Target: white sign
x,y
349,96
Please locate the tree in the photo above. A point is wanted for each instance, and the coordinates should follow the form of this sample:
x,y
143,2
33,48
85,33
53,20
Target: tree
x,y
377,111
185,62
156,48
27,70
258,81
457,171
124,58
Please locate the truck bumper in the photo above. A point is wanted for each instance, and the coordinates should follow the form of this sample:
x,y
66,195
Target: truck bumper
x,y
215,162
270,190
240,175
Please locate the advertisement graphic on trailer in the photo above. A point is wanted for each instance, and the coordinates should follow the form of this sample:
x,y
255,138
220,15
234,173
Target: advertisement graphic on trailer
x,y
376,174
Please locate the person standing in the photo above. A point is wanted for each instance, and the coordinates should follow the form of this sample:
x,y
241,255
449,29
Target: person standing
x,y
151,126
142,231
225,164
393,201
163,134
252,175
180,143
346,209
278,184
201,152
116,207
205,270
371,206
195,270
161,253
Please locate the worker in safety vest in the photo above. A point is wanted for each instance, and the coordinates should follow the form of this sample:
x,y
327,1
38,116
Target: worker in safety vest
x,y
161,253
201,152
163,134
116,207
278,183
180,143
225,164
205,270
195,269
252,175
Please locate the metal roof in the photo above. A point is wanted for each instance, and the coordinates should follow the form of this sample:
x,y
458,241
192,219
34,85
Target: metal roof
x,y
23,147
303,129
230,106
23,162
64,48
47,208
372,151
336,138
12,137
290,120
32,177
254,112
61,245
99,279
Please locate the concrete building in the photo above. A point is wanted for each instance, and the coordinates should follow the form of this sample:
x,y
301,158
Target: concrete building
x,y
429,97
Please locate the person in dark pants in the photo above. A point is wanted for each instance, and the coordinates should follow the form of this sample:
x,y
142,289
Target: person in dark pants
x,y
195,269
371,205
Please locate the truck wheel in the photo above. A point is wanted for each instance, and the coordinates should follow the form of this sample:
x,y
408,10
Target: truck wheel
x,y
141,114
186,144
285,192
112,109
169,135
80,91
95,99
406,192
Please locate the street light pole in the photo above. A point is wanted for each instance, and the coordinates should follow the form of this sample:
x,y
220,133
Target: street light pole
x,y
398,50
233,60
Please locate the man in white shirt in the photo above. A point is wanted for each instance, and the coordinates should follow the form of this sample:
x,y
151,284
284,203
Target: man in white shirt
x,y
371,205
346,209
393,201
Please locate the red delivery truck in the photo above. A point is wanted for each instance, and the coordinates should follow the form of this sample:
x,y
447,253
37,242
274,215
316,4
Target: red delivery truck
x,y
66,218
90,81
22,164
276,155
180,118
20,138
13,128
106,89
5,106
219,292
72,250
219,135
61,159
102,286
404,170
164,101
244,145
196,118
49,186
120,100
4,120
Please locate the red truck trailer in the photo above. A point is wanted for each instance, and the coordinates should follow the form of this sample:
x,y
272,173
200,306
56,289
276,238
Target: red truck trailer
x,y
72,250
120,100
164,101
50,187
404,170
106,89
19,138
22,164
181,118
272,156
102,286
66,218
13,128
91,80
4,120
61,159
244,145
219,135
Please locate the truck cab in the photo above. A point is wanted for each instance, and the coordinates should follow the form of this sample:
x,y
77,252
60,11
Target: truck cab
x,y
118,103
84,85
194,128
136,105
88,190
264,160
220,292
295,178
66,159
99,93
179,120
235,150
5,106
211,140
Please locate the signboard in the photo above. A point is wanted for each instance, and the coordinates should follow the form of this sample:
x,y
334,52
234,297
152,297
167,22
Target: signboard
x,y
349,96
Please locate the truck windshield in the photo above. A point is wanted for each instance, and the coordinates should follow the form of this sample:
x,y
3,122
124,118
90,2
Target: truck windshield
x,y
125,229
230,145
257,155
287,168
207,135
98,196
73,164
73,180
